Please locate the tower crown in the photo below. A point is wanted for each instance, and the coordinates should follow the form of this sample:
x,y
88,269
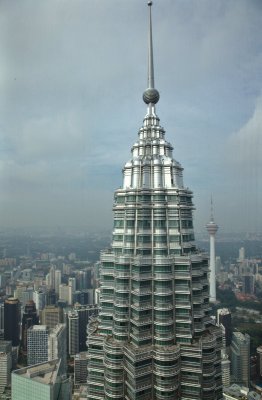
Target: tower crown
x,y
211,226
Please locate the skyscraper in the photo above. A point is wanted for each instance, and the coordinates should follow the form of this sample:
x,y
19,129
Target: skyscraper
x,y
51,316
73,332
224,318
84,313
29,318
153,338
11,320
240,357
57,346
5,364
37,344
47,344
212,230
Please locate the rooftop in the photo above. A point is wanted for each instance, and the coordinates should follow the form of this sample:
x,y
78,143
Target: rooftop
x,y
45,373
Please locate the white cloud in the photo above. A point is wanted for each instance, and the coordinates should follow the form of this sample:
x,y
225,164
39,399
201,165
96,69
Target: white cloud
x,y
245,145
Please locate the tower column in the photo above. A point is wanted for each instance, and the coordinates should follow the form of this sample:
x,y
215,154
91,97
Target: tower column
x,y
212,265
212,228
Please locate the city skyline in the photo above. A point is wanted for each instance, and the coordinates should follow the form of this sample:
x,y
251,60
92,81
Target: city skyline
x,y
70,68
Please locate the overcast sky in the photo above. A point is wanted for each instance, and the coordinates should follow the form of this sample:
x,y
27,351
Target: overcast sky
x,y
71,81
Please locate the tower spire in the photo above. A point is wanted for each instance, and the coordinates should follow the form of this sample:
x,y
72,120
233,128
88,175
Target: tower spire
x,y
211,209
151,95
151,80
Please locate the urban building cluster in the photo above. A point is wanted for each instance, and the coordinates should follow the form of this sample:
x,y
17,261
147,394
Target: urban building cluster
x,y
243,276
46,303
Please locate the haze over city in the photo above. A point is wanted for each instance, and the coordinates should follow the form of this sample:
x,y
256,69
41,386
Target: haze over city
x,y
72,79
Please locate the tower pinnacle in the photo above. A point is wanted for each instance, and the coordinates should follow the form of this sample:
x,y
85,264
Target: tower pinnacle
x,y
151,95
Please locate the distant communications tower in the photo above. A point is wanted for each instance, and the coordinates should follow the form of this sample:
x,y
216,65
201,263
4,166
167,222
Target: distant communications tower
x,y
212,228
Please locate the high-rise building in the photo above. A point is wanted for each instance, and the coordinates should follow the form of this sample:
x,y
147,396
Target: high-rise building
x,y
57,345
73,332
37,344
51,316
39,297
259,361
2,320
241,254
29,318
84,313
248,283
46,344
58,277
154,337
5,364
80,368
240,358
42,382
224,318
212,228
11,320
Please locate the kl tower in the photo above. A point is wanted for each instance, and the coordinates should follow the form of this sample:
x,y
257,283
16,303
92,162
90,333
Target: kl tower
x,y
212,228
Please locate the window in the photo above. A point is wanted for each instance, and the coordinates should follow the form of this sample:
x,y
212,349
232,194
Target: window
x,y
172,198
130,198
130,238
118,237
144,223
174,238
118,223
160,239
144,239
120,199
130,223
173,223
160,223
159,197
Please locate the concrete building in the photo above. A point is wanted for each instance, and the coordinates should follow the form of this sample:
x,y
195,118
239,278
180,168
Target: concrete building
x,y
57,346
39,297
58,277
37,344
259,361
237,392
80,368
5,365
51,316
41,382
46,344
154,337
73,332
240,358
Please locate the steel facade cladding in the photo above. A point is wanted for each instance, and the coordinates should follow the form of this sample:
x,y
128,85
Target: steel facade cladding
x,y
153,338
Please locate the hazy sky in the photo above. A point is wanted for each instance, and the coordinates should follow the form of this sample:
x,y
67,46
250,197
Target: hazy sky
x,y
72,75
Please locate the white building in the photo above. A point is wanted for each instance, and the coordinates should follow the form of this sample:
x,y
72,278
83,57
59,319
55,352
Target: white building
x,y
5,364
37,344
57,345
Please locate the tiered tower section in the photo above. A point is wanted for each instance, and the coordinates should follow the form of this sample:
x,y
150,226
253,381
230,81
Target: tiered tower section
x,y
153,338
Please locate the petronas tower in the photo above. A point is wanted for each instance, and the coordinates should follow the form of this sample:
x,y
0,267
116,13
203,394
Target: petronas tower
x,y
154,338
